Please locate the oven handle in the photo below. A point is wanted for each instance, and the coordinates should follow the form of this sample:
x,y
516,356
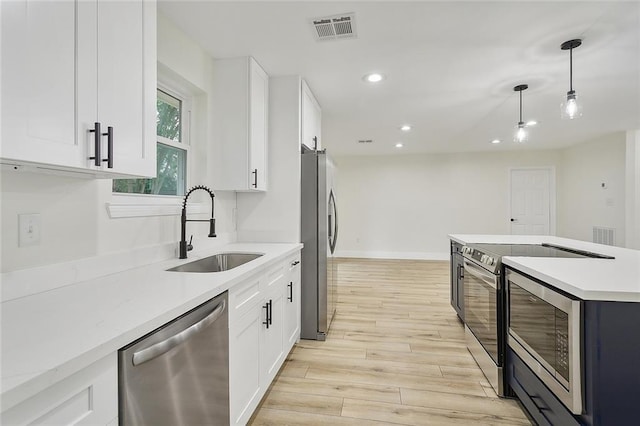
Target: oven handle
x,y
480,273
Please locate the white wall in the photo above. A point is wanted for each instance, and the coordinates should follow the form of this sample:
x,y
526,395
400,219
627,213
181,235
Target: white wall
x,y
632,186
585,203
404,206
274,216
75,223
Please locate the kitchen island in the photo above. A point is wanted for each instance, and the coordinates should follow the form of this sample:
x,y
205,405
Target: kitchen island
x,y
570,326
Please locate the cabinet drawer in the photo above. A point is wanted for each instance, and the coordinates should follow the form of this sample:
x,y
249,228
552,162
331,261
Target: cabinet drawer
x,y
275,275
541,404
456,247
293,262
244,297
89,397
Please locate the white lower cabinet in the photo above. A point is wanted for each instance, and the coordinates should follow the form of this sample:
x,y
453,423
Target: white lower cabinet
x,y
244,362
88,397
259,336
292,304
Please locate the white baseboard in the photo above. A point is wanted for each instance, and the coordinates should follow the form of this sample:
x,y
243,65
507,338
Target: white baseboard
x,y
407,255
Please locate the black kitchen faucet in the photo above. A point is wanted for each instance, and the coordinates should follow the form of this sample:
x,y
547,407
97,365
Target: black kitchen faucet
x,y
184,247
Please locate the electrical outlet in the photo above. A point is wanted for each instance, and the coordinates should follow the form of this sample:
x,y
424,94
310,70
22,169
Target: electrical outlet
x,y
28,230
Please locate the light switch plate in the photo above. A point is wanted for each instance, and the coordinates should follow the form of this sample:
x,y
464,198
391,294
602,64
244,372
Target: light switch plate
x,y
28,230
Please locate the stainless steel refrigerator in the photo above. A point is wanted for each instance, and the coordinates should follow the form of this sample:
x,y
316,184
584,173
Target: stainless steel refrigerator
x,y
319,233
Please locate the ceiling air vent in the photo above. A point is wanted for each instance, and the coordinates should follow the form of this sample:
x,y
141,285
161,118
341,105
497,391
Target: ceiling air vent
x,y
365,140
334,27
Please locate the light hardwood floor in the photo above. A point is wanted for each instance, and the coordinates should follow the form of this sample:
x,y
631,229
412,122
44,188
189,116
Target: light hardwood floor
x,y
395,354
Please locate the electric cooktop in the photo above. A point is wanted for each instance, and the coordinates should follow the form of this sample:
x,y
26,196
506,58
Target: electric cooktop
x,y
490,255
535,250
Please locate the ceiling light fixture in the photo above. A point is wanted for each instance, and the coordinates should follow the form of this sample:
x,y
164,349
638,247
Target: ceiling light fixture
x,y
496,141
521,134
399,145
405,128
373,78
570,108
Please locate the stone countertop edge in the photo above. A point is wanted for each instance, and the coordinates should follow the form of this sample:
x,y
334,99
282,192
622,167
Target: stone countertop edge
x,y
124,306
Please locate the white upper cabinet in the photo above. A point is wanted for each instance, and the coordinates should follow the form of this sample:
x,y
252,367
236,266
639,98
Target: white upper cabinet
x,y
241,99
69,65
311,119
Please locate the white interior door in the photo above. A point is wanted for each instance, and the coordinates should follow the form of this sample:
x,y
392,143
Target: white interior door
x,y
531,201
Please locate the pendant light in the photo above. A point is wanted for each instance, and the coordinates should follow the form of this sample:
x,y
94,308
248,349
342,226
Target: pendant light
x,y
571,108
521,134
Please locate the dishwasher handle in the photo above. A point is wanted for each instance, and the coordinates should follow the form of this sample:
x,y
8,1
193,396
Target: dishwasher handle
x,y
166,345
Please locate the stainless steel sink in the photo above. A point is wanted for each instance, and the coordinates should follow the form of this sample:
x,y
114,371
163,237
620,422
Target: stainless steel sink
x,y
217,263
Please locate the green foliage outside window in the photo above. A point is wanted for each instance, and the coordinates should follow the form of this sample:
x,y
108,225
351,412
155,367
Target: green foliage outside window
x,y
171,161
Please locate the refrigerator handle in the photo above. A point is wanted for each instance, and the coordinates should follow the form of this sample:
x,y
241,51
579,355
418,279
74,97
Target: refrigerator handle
x,y
333,230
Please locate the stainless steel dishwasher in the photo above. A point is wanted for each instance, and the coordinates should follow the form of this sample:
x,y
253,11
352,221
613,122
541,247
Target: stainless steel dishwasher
x,y
179,373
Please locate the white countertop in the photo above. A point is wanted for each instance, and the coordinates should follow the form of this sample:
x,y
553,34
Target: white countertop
x,y
586,278
48,336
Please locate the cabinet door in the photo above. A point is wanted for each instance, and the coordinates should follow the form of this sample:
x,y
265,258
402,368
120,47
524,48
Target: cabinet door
x,y
126,84
258,130
292,306
460,287
240,108
88,397
41,80
68,65
311,119
244,364
271,343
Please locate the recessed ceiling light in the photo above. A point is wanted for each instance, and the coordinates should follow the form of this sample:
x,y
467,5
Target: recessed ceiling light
x,y
531,123
399,145
495,141
373,78
405,128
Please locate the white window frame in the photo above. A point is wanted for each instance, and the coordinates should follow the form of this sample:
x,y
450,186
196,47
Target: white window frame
x,y
124,205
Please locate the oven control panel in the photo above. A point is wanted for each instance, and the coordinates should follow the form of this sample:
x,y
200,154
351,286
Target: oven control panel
x,y
478,256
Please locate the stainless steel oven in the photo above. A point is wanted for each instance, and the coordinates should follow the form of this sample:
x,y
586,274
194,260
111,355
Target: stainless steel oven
x,y
545,332
485,302
483,305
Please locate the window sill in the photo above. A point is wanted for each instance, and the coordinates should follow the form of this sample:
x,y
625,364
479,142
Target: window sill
x,y
126,205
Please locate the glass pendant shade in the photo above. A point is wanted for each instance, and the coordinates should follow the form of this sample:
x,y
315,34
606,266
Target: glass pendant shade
x,y
521,134
571,107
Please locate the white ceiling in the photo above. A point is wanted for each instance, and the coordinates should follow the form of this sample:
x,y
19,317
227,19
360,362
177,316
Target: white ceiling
x,y
450,67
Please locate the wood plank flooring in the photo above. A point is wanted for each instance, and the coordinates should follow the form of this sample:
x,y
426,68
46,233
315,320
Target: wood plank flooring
x,y
395,354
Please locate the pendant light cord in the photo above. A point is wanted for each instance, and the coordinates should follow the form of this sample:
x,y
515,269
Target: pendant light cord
x,y
520,107
571,69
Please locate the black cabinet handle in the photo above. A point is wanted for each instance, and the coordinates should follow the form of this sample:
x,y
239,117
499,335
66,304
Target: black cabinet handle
x,y
270,311
290,298
96,144
297,262
255,178
109,135
315,143
266,321
535,398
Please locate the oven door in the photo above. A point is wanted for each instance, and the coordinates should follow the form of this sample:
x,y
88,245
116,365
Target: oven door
x,y
481,289
544,330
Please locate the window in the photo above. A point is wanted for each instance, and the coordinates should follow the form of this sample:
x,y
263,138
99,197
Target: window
x,y
172,130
